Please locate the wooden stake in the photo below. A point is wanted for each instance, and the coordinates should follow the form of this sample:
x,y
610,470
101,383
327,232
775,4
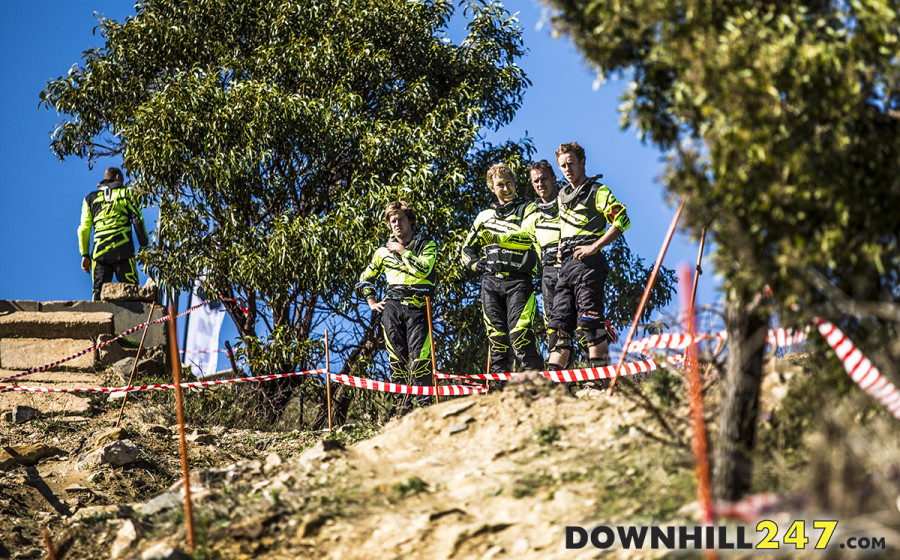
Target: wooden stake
x,y
51,552
646,296
328,379
487,382
437,398
699,272
136,358
179,407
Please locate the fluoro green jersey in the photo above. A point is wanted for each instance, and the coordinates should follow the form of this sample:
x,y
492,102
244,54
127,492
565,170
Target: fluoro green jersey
x,y
543,229
111,211
410,276
509,250
585,211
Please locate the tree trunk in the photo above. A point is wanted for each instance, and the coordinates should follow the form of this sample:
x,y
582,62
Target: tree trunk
x,y
733,465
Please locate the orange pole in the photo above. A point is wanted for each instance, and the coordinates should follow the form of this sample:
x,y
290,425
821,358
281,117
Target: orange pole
x,y
136,358
699,271
437,398
695,400
646,296
48,544
328,379
179,406
487,382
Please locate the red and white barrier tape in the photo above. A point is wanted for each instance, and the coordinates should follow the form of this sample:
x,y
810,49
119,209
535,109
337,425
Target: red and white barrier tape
x,y
98,346
444,390
775,337
157,386
860,369
750,508
566,375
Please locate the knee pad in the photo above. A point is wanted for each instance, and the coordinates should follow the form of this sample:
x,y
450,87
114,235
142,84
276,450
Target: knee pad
x,y
594,330
559,340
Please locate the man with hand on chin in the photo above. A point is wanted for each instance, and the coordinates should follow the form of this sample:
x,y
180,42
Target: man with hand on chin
x,y
590,219
407,261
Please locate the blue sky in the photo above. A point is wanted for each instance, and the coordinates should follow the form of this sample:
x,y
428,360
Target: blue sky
x,y
42,196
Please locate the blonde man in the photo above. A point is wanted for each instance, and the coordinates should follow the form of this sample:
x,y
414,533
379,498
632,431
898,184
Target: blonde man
x,y
507,268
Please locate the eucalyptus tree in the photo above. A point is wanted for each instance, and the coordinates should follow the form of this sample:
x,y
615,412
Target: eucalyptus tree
x,y
782,125
271,134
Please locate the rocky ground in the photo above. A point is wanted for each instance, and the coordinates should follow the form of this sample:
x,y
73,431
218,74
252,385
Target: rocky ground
x,y
491,476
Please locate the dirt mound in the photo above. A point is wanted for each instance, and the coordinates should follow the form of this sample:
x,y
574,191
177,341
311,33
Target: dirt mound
x,y
488,476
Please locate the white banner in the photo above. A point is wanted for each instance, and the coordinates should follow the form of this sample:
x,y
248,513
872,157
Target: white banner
x,y
201,347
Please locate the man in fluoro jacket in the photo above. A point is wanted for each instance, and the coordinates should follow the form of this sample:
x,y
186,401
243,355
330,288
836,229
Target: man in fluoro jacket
x,y
590,219
507,266
111,211
407,261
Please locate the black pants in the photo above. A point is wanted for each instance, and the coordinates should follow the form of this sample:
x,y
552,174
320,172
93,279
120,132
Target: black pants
x,y
549,280
125,271
407,342
509,307
579,300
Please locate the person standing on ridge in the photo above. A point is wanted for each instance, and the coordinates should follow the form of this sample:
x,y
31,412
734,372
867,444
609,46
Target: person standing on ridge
x,y
586,206
407,261
111,211
543,227
507,268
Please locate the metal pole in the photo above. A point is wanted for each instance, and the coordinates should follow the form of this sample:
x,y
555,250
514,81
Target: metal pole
x,y
136,358
437,398
695,401
328,379
179,406
646,296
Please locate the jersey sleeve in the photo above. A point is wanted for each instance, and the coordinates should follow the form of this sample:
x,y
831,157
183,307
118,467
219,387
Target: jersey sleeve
x,y
84,229
136,216
422,264
366,286
613,210
471,248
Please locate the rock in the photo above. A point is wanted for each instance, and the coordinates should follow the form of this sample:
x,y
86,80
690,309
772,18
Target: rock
x,y
117,511
151,365
72,419
125,537
165,501
116,291
201,439
25,455
156,429
457,428
114,351
116,434
76,488
163,551
117,454
273,461
116,396
22,414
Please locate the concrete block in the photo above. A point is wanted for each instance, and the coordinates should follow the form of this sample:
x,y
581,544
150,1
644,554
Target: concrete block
x,y
62,324
26,353
126,314
11,306
115,292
